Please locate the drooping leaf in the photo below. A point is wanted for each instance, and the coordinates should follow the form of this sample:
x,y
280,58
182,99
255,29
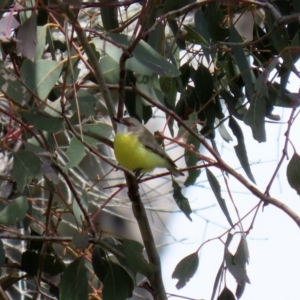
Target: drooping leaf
x,y
280,40
191,160
7,25
134,257
242,62
43,121
145,60
26,166
202,29
117,283
80,240
30,263
27,37
75,153
15,211
182,202
240,288
41,42
78,214
84,103
214,184
240,148
255,116
293,172
226,294
74,281
204,87
195,37
100,263
43,76
110,69
186,269
217,282
214,18
12,86
109,16
149,85
2,256
236,264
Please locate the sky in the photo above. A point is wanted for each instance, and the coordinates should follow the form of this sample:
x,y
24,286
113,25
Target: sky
x,y
274,241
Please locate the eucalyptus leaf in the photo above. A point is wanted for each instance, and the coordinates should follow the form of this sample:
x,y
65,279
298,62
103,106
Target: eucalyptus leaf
x,y
215,186
76,274
186,269
182,202
293,172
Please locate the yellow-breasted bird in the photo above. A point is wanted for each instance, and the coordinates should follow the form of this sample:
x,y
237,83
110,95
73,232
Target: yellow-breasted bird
x,y
136,149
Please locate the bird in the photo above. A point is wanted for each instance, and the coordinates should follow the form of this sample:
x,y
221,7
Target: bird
x,y
137,150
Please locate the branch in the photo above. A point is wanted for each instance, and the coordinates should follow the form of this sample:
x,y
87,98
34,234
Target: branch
x,y
222,164
158,289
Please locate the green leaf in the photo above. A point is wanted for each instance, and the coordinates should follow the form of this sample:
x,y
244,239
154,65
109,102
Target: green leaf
x,y
186,269
280,39
255,116
27,37
75,153
169,88
2,256
226,295
101,129
80,240
40,76
78,214
242,62
236,264
84,104
194,36
26,166
134,257
204,86
217,282
41,42
150,86
202,30
182,202
214,18
110,69
74,282
293,173
12,86
240,288
214,184
30,263
42,121
145,60
117,283
240,149
14,212
191,160
100,263
109,15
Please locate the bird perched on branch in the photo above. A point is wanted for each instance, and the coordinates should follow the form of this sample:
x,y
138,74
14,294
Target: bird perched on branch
x,y
136,149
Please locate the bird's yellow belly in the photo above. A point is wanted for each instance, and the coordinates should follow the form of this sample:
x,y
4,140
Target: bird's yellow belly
x,y
131,154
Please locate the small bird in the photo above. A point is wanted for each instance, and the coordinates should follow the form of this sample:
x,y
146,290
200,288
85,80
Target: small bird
x,y
136,149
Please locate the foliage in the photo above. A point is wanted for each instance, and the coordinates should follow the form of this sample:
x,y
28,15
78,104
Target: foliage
x,y
67,68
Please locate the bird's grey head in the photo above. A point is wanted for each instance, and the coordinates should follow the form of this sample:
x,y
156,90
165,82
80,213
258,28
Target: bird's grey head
x,y
128,124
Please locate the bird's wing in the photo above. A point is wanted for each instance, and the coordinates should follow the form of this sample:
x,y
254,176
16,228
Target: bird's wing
x,y
150,142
